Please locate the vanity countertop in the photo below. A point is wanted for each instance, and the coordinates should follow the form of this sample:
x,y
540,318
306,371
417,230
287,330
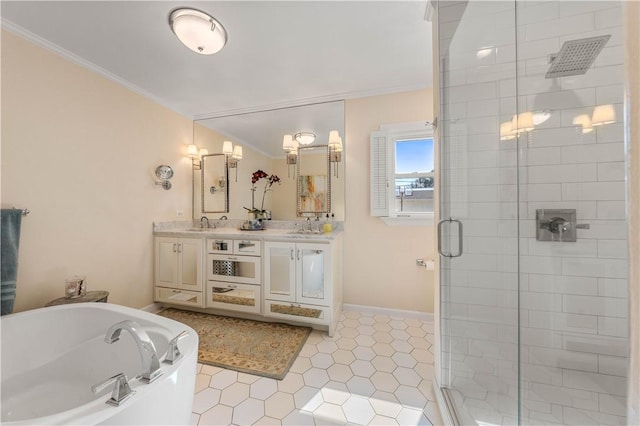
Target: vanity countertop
x,y
264,234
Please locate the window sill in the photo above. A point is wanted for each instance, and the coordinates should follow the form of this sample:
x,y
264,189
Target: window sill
x,y
422,220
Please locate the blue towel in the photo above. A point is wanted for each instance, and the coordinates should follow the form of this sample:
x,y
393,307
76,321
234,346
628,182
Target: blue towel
x,y
10,220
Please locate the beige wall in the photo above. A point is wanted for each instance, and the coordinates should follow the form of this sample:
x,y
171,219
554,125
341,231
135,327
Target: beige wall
x,y
632,41
380,260
80,151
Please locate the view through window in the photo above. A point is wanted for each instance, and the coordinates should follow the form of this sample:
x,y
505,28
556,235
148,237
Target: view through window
x,y
414,178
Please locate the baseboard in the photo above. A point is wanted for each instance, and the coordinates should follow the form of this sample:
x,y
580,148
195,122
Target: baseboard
x,y
424,316
153,308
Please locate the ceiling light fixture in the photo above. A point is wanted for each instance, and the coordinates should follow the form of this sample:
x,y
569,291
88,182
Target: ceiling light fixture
x,y
304,138
198,31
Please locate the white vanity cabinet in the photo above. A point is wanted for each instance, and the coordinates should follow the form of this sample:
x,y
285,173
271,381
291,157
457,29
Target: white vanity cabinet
x,y
178,271
298,281
234,275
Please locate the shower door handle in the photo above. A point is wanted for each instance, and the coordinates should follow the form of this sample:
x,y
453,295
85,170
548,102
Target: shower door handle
x,y
440,225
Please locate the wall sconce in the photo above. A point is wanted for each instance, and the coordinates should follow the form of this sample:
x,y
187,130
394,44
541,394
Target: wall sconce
x,y
335,150
196,155
233,155
164,173
506,131
291,147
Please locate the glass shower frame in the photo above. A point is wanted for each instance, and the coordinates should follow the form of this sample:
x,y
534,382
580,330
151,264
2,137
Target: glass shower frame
x,y
530,331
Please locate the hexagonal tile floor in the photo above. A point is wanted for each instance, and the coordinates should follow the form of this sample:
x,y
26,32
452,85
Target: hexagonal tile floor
x,y
375,370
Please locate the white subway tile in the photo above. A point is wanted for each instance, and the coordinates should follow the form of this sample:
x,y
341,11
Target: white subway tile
x,y
595,191
580,248
541,265
615,405
610,56
596,77
537,12
593,153
602,229
602,345
613,365
595,382
544,192
559,136
610,94
585,210
483,193
483,159
580,7
540,301
482,108
471,92
559,27
616,33
611,133
540,337
582,417
563,359
614,171
611,17
563,99
617,327
613,249
562,173
611,210
541,374
591,305
559,321
563,284
610,287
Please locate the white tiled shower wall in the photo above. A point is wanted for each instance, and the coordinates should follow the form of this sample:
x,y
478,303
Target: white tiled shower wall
x,y
573,307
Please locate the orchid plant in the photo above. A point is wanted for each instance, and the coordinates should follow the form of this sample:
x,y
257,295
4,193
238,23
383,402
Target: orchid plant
x,y
255,178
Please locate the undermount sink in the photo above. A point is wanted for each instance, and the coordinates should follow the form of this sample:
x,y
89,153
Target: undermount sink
x,y
300,232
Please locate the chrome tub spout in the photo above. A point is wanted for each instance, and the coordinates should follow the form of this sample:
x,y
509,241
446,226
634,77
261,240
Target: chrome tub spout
x,y
148,354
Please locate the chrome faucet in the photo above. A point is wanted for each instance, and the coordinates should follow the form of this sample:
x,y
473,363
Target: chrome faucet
x,y
224,217
309,223
148,354
204,220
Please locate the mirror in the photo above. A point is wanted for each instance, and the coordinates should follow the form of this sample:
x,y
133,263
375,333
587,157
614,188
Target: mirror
x,y
313,172
261,134
214,184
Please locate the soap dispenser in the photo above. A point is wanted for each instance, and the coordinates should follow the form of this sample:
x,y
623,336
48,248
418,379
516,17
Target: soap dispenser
x,y
327,225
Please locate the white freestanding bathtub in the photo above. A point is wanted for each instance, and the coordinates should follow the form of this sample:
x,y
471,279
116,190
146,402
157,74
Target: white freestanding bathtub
x,y
51,357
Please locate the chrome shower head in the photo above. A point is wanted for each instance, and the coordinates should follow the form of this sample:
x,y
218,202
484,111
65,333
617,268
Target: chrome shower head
x,y
576,56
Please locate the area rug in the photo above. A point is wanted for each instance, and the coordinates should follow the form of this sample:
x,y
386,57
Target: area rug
x,y
262,348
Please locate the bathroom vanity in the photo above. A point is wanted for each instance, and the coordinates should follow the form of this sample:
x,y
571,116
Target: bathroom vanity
x,y
270,275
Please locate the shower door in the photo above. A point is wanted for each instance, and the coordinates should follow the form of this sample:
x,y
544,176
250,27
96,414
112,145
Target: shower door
x,y
532,237
478,211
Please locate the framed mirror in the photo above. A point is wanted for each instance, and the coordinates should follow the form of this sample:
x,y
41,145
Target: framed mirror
x,y
260,133
214,184
313,181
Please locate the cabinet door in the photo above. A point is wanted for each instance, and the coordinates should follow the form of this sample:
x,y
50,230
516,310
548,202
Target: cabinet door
x,y
313,271
279,271
166,262
190,264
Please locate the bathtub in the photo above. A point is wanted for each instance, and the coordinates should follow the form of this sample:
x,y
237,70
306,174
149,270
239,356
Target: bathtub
x,y
51,357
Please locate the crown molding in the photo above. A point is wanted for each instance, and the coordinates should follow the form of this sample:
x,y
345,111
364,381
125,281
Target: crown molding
x,y
72,57
311,101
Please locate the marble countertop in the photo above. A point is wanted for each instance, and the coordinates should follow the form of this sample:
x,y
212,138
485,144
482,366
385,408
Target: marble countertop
x,y
234,232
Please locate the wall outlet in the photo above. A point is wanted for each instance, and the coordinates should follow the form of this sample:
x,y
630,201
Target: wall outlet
x,y
179,213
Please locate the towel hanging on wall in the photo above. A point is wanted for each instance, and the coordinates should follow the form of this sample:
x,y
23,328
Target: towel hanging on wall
x,y
10,221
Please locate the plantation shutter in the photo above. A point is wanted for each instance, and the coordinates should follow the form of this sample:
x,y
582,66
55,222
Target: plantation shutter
x,y
379,175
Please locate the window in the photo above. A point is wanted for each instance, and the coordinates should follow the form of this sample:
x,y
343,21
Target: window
x,y
402,173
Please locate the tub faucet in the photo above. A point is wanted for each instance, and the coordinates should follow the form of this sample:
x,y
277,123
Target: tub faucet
x,y
148,354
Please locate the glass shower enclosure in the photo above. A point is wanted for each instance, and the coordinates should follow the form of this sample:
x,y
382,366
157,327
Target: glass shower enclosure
x,y
533,229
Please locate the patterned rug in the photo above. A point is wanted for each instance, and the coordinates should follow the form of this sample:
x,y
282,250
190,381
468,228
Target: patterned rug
x,y
262,348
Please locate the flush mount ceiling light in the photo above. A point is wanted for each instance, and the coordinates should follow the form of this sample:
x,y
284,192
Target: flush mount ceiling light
x,y
198,31
304,138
